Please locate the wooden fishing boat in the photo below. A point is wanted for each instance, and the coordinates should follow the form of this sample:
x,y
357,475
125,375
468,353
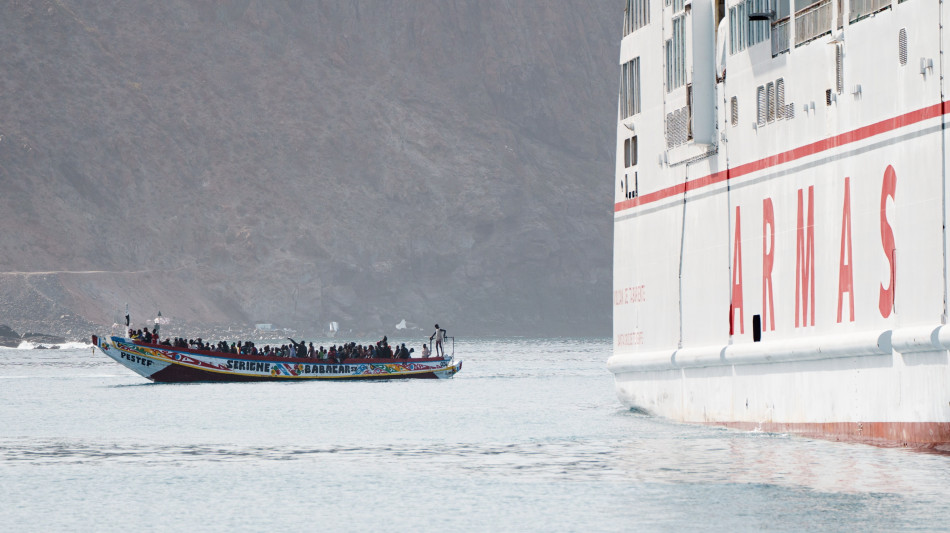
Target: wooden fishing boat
x,y
171,364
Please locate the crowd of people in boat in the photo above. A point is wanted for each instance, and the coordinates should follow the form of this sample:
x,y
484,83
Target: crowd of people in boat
x,y
352,350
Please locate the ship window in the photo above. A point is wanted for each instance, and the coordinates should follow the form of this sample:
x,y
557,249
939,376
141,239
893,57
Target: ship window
x,y
630,152
828,97
863,8
676,55
780,28
744,32
770,101
812,19
758,29
630,88
902,46
782,9
761,104
734,110
636,15
678,5
780,98
742,10
780,42
738,27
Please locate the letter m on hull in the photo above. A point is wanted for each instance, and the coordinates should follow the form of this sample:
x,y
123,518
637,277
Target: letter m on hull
x,y
805,262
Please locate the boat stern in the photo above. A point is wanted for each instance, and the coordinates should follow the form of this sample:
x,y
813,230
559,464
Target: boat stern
x,y
450,370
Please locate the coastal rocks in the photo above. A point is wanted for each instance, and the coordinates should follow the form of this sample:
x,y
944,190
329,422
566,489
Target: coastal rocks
x,y
9,338
43,338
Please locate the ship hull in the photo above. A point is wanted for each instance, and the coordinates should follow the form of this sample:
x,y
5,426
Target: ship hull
x,y
880,399
165,364
780,221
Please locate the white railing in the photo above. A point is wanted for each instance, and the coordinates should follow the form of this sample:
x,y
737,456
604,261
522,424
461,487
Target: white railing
x,y
780,41
863,8
445,342
813,21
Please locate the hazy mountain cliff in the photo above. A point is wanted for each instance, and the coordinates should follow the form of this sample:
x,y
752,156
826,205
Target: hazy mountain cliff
x,y
297,162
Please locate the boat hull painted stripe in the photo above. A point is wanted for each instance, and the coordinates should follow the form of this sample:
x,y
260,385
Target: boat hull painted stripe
x,y
184,374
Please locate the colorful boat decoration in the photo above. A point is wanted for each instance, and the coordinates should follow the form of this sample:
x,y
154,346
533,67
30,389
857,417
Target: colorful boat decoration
x,y
168,364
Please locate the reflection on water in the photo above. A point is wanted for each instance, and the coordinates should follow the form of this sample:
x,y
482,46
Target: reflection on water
x,y
526,432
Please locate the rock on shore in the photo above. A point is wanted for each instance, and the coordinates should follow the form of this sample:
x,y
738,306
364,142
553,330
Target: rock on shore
x,y
9,338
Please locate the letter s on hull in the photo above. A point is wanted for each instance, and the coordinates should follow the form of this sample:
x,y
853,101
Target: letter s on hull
x,y
888,189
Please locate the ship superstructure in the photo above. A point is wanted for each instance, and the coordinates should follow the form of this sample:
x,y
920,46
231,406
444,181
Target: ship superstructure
x,y
780,243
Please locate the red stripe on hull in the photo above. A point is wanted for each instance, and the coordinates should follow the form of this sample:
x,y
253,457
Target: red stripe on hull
x,y
924,435
185,374
823,145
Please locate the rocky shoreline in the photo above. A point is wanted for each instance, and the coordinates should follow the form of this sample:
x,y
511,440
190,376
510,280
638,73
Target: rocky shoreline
x,y
9,338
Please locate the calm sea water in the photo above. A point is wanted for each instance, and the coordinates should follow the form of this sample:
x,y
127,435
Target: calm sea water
x,y
529,436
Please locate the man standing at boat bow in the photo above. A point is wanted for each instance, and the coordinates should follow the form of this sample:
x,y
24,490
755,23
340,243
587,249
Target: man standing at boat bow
x,y
439,335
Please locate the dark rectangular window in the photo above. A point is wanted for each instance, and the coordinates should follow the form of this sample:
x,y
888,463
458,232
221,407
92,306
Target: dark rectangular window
x,y
630,88
630,152
676,55
636,15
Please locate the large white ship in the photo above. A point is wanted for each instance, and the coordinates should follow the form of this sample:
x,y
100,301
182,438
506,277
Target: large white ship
x,y
780,217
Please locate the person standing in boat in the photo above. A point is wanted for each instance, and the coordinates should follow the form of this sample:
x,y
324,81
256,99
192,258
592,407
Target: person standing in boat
x,y
439,335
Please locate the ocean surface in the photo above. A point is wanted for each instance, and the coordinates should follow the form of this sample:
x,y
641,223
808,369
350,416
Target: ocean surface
x,y
529,436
